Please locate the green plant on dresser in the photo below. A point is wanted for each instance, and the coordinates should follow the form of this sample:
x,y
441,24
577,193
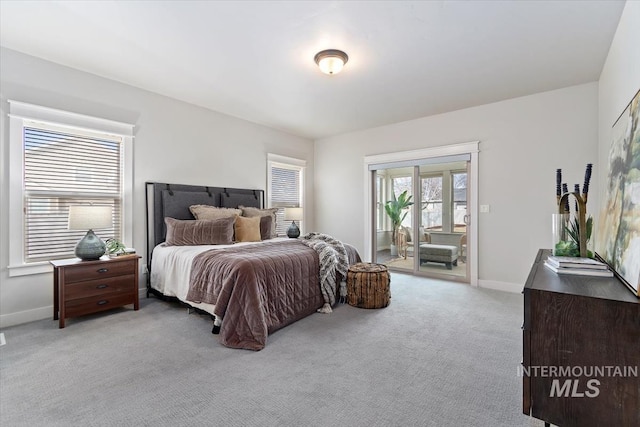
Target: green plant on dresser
x,y
114,247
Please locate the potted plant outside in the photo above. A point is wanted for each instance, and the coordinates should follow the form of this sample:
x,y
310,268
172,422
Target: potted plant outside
x,y
396,209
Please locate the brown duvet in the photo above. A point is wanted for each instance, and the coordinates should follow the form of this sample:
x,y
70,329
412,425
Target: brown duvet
x,y
258,289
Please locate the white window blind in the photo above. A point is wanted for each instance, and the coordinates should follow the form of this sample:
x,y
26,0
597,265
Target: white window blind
x,y
63,167
285,189
57,159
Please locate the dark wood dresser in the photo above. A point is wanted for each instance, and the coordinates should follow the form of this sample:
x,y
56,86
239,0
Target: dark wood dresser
x,y
84,287
581,345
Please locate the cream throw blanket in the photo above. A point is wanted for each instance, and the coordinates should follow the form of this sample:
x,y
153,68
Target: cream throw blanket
x,y
333,259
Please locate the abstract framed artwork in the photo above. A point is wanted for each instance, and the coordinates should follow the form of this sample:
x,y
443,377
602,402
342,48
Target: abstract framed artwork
x,y
618,240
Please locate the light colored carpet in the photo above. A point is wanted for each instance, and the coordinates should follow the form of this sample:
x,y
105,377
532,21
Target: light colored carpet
x,y
442,354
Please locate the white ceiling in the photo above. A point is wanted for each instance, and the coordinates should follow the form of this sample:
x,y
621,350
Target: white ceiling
x,y
254,60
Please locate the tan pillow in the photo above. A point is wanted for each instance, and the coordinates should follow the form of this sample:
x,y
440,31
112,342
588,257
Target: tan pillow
x,y
199,232
247,229
252,212
212,212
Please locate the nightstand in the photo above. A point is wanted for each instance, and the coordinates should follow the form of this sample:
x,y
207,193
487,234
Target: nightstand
x,y
84,287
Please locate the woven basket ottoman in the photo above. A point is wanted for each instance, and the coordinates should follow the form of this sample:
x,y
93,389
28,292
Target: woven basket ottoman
x,y
368,285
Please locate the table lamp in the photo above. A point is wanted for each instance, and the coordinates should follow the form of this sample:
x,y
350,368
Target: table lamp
x,y
82,217
293,215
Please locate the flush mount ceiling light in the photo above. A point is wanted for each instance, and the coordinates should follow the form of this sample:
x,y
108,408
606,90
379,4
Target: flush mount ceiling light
x,y
331,61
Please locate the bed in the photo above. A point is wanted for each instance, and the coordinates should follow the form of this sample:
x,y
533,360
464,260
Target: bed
x,y
251,289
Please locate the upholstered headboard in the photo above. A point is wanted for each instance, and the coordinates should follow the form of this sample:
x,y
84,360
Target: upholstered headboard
x,y
173,200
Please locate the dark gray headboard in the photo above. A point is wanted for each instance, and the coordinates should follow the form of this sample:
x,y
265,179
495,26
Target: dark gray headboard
x,y
173,200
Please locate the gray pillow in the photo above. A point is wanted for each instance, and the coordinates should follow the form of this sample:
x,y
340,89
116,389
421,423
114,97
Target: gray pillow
x,y
199,232
265,227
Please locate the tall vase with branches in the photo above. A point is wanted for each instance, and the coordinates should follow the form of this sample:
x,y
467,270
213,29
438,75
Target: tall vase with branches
x,y
572,236
396,208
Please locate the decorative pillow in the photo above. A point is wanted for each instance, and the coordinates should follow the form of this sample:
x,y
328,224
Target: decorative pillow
x,y
212,212
247,229
199,232
265,227
252,212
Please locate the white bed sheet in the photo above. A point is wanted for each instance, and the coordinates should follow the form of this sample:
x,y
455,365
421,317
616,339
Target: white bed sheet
x,y
171,269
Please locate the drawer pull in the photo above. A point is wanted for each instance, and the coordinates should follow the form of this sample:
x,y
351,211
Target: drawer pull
x,y
103,270
102,302
102,286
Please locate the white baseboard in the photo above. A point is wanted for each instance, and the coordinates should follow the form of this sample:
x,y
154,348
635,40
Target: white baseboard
x,y
501,286
26,316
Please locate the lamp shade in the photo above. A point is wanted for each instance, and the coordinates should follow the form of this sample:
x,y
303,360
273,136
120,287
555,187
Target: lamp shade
x,y
89,217
293,214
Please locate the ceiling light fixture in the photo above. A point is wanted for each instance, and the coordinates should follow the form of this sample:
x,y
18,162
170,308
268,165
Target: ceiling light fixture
x,y
331,61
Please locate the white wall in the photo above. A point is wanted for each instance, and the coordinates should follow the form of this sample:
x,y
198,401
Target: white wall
x,y
174,142
522,142
619,81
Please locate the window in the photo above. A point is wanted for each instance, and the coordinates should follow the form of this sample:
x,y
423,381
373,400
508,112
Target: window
x,y
400,185
459,182
432,203
285,187
380,201
59,159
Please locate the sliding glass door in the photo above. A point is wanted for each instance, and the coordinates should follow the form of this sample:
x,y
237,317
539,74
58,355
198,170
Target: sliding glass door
x,y
423,228
443,200
394,202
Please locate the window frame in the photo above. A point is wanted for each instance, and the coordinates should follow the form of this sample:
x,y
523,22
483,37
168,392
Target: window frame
x,y
276,160
381,215
453,198
441,203
20,115
396,176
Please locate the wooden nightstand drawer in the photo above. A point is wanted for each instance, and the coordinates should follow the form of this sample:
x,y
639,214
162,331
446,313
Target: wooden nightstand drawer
x,y
79,307
84,287
100,270
99,287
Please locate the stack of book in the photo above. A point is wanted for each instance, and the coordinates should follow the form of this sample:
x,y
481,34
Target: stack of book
x,y
125,251
579,266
